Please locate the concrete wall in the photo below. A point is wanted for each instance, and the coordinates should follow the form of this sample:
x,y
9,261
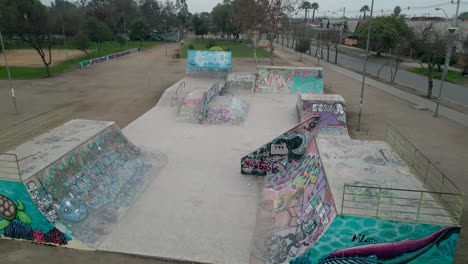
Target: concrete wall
x,y
277,155
369,240
106,58
208,62
86,192
272,79
297,209
20,218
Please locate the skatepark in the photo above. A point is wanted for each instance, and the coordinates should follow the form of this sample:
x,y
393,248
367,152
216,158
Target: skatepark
x,y
210,175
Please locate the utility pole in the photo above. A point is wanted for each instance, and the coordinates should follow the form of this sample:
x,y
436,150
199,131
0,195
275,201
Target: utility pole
x,y
320,43
365,66
447,55
342,26
63,31
9,75
165,36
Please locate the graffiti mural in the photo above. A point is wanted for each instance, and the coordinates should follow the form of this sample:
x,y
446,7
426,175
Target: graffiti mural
x,y
106,58
297,208
208,62
19,217
85,193
368,240
234,112
240,83
281,151
289,80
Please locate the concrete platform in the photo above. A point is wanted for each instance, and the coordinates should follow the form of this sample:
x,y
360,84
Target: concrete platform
x,y
200,208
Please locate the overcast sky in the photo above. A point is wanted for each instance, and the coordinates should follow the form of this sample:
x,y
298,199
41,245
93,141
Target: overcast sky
x,y
417,7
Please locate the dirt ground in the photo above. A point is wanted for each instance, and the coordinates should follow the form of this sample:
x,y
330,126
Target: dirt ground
x,y
125,88
30,58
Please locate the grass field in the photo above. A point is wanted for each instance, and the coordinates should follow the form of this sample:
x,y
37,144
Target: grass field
x,y
239,50
452,76
33,72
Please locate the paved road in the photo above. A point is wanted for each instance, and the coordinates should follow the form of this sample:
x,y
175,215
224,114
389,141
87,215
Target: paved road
x,y
456,93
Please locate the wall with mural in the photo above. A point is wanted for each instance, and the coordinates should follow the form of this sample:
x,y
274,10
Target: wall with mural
x,y
332,114
272,79
240,83
85,193
200,62
233,112
279,153
297,208
106,58
20,218
369,240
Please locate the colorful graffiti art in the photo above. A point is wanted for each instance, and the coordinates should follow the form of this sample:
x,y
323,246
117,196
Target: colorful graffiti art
x,y
85,194
283,150
296,210
332,114
368,240
106,58
19,217
209,62
289,80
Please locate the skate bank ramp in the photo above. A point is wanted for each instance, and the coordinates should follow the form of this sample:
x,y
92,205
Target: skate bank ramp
x,y
84,175
296,209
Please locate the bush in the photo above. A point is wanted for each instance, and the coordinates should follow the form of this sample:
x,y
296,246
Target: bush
x,y
216,48
211,43
191,47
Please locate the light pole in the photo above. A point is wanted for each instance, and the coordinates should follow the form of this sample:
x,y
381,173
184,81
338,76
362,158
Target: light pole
x,y
447,54
165,37
365,66
63,31
320,43
439,8
342,26
9,75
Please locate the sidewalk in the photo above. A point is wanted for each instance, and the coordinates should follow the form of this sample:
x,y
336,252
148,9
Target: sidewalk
x,y
443,111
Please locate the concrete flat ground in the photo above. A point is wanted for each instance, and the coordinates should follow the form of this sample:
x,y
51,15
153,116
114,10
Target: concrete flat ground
x,y
125,88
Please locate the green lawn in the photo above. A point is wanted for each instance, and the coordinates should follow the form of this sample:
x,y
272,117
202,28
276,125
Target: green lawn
x,y
452,76
239,50
35,72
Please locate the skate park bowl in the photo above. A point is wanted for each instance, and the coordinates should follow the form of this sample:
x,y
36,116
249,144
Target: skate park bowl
x,y
209,63
281,79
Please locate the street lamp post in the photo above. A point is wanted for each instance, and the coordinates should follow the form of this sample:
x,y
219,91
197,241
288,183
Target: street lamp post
x,y
365,66
165,37
320,43
342,26
447,54
9,75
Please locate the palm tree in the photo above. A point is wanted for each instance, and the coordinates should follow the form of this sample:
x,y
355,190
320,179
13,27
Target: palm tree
x,y
306,5
314,6
364,9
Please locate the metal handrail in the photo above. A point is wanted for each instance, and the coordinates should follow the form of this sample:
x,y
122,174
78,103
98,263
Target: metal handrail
x,y
10,167
175,96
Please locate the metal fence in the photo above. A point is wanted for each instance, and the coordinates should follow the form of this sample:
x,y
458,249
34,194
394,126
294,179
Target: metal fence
x,y
28,129
441,203
9,167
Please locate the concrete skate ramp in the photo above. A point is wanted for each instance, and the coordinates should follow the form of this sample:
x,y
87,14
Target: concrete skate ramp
x,y
208,63
239,82
296,209
331,110
280,79
84,175
226,110
277,154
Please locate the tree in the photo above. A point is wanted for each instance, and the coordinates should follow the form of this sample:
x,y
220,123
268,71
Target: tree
x,y
28,19
430,47
306,6
364,9
200,25
386,33
81,42
397,11
98,32
302,46
315,7
222,17
139,30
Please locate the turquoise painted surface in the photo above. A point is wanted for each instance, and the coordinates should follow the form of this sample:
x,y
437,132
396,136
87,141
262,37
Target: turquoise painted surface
x,y
29,222
346,234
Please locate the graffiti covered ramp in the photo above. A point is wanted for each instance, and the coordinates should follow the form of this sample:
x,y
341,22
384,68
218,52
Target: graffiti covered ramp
x,y
84,175
200,208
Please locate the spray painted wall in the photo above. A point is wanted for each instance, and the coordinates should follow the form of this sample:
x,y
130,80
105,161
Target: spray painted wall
x,y
282,151
297,208
289,80
369,240
233,112
106,58
20,218
85,193
240,83
208,62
